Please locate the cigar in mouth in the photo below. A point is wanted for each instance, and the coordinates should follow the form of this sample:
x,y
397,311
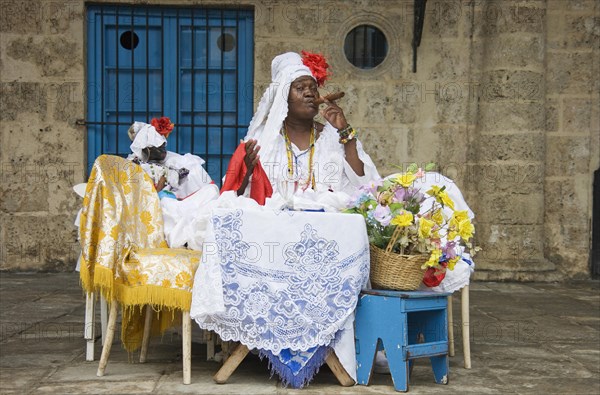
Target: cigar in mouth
x,y
329,97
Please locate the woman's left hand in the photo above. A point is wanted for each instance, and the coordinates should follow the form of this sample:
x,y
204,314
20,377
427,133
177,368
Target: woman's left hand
x,y
162,182
334,115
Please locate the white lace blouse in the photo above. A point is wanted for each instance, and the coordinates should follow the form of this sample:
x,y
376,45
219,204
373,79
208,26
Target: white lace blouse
x,y
330,169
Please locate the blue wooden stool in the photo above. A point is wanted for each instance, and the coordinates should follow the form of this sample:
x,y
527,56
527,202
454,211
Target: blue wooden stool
x,y
408,325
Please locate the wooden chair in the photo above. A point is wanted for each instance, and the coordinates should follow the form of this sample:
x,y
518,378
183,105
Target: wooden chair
x,y
126,259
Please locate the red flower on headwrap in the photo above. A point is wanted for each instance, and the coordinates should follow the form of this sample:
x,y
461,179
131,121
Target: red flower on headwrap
x,y
162,125
318,66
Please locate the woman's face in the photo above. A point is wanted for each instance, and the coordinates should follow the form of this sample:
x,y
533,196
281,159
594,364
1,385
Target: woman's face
x,y
301,101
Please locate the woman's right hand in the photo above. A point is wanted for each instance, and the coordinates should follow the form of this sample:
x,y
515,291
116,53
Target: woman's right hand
x,y
251,158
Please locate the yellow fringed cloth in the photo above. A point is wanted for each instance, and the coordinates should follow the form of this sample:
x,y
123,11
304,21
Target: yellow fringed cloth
x,y
124,252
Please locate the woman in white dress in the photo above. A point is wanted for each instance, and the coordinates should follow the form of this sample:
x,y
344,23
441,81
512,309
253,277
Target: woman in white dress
x,y
291,146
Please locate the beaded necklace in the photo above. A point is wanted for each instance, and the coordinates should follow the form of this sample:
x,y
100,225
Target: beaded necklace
x,y
293,158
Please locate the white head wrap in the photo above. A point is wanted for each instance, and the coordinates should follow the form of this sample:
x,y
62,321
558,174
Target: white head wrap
x,y
273,107
144,135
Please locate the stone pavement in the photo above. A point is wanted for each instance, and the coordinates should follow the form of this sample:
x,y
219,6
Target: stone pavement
x,y
527,338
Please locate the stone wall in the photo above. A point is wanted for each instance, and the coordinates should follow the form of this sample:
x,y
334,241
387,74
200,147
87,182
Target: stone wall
x,y
505,101
572,131
41,149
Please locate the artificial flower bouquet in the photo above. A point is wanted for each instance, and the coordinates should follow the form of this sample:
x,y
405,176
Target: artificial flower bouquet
x,y
415,235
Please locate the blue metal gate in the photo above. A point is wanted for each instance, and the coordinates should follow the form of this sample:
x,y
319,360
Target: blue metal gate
x,y
193,65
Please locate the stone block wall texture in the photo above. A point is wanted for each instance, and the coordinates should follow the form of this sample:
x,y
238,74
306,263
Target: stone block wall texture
x,y
505,101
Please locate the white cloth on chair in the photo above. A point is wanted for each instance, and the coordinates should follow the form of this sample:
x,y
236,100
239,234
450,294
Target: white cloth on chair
x,y
185,220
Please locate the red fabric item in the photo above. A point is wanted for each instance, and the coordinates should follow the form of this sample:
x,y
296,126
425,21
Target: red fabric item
x,y
434,276
318,66
162,125
261,186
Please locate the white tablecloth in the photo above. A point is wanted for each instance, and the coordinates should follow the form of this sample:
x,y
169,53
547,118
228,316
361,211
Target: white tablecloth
x,y
277,280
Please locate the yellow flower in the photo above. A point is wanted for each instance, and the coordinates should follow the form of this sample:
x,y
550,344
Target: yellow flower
x,y
166,283
434,259
452,233
458,217
437,217
405,179
446,201
466,229
146,217
452,262
441,196
184,280
149,229
425,227
136,278
405,218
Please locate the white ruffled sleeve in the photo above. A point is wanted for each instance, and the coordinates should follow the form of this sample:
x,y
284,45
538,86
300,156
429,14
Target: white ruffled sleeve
x,y
371,172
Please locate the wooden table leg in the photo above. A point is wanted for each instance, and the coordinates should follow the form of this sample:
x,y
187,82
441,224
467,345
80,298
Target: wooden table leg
x,y
240,352
338,370
211,339
234,360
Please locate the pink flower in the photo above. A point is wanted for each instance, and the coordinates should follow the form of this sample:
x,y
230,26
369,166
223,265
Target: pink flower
x,y
399,194
383,215
372,187
449,250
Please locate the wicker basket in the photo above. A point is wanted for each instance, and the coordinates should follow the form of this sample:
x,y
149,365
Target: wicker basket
x,y
394,271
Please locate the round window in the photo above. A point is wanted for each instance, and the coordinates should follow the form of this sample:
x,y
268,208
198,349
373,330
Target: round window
x,y
129,40
226,42
365,46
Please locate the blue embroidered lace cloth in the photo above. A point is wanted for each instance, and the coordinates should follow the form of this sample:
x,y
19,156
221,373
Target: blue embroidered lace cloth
x,y
282,282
